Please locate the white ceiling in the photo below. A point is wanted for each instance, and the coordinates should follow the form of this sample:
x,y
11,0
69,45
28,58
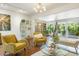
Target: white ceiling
x,y
29,6
51,8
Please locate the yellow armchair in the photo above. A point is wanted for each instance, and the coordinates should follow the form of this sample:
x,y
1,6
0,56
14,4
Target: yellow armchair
x,y
11,45
39,38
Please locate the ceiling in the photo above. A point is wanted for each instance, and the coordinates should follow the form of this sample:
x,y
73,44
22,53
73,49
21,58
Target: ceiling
x,y
50,8
28,7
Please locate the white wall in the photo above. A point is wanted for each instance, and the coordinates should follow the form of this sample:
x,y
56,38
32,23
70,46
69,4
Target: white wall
x,y
68,14
33,26
15,22
62,15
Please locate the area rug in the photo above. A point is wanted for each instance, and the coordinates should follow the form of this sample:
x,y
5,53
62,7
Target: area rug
x,y
28,52
62,53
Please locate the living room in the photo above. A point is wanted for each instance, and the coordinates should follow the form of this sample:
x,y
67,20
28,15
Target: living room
x,y
39,29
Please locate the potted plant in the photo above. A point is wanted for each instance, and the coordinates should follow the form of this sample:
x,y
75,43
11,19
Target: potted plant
x,y
45,32
55,34
55,38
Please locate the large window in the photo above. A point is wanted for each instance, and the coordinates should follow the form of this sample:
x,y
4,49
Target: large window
x,y
50,28
73,29
61,29
65,28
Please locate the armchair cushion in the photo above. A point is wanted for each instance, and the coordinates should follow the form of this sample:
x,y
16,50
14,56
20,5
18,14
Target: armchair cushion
x,y
19,46
24,41
38,35
39,38
10,39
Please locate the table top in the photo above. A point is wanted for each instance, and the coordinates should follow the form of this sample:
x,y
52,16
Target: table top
x,y
57,52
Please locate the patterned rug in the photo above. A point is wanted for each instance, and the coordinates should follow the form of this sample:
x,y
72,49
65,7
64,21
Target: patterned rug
x,y
35,51
28,52
1,51
61,53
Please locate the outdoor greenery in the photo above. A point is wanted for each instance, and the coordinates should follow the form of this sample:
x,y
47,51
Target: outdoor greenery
x,y
61,29
49,29
45,32
73,29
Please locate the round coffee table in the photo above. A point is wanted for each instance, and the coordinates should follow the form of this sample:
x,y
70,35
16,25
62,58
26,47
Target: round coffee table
x,y
57,52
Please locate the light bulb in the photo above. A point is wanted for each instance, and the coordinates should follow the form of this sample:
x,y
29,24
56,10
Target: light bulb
x,y
38,6
40,11
44,8
35,10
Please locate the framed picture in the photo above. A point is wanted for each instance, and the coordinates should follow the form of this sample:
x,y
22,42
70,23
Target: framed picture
x,y
5,22
27,22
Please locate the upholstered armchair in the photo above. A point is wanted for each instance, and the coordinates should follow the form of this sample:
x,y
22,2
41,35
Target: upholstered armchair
x,y
11,45
39,38
0,39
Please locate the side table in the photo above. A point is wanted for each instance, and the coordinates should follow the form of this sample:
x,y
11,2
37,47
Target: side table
x,y
30,42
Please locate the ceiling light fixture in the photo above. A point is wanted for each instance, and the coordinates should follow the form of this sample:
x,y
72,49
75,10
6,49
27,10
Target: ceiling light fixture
x,y
39,8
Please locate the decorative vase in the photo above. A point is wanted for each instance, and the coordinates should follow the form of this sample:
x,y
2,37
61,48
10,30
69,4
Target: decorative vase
x,y
52,49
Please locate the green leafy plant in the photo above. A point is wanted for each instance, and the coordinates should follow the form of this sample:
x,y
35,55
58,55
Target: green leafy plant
x,y
73,29
77,30
56,38
61,29
50,28
55,34
45,32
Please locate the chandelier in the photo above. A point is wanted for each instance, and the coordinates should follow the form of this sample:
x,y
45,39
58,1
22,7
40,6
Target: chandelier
x,y
39,8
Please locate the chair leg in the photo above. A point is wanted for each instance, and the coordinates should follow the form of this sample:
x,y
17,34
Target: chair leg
x,y
35,44
76,50
9,54
24,51
5,53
